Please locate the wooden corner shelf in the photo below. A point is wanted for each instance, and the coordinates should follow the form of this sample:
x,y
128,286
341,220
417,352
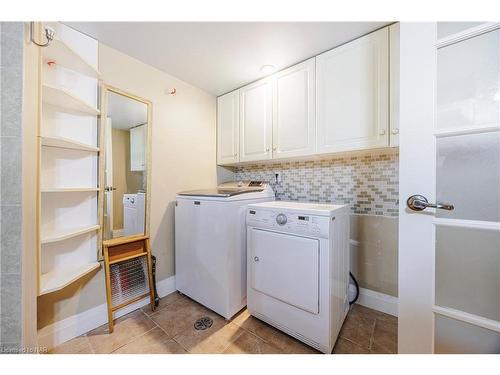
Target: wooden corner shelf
x,y
61,142
66,100
64,235
68,169
58,279
64,55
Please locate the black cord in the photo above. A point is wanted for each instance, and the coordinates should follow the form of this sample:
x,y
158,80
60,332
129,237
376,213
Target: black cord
x,y
357,289
157,298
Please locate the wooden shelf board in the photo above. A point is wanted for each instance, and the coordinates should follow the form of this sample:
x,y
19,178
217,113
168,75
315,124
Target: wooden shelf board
x,y
66,56
61,236
130,257
62,98
124,240
68,190
61,142
59,279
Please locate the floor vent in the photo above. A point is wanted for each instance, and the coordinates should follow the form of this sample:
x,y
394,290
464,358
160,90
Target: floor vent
x,y
203,323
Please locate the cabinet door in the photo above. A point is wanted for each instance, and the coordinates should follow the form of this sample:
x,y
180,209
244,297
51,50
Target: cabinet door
x,y
228,122
352,95
256,121
394,85
294,117
138,148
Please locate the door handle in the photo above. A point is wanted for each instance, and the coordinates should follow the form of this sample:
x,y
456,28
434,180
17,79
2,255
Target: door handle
x,y
109,188
420,203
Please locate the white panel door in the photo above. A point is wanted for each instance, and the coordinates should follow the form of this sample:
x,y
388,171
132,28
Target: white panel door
x,y
449,253
294,112
256,121
352,95
285,267
228,123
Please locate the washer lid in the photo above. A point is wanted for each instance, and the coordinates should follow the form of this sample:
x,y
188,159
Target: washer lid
x,y
229,189
219,192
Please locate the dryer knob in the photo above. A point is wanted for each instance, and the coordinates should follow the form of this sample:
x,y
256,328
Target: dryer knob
x,y
281,219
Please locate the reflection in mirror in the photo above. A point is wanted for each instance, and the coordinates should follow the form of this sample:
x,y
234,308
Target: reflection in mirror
x,y
125,166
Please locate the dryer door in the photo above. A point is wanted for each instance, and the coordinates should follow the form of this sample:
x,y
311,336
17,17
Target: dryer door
x,y
285,267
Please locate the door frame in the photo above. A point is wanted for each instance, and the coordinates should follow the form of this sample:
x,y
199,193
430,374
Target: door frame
x,y
108,175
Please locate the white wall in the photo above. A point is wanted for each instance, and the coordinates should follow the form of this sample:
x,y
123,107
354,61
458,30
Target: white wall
x,y
183,158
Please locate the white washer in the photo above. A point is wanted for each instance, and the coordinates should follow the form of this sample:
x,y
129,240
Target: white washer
x,y
298,268
133,213
210,243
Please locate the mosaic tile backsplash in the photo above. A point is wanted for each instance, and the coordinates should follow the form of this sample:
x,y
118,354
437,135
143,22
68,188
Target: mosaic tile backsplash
x,y
367,183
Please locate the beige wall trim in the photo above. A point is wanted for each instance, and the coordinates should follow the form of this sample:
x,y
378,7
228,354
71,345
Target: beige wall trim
x,y
76,325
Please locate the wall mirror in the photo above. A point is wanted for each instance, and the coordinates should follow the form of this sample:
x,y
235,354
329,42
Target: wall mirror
x,y
126,129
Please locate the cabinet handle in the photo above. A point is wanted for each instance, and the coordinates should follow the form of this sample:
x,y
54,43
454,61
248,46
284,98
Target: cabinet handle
x,y
267,149
382,132
395,131
235,154
274,148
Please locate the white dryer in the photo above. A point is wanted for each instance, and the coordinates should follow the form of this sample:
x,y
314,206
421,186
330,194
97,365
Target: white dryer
x,y
210,243
298,269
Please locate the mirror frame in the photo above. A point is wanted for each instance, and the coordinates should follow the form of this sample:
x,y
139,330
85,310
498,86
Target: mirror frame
x,y
105,90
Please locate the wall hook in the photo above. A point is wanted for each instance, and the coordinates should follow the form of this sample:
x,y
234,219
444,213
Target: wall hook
x,y
173,91
49,35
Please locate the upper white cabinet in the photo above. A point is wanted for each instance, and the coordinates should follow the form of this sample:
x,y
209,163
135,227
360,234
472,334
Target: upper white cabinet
x,y
294,120
138,138
256,118
228,123
345,99
353,95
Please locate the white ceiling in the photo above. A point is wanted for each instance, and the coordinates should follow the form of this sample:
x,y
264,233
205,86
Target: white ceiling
x,y
221,56
125,113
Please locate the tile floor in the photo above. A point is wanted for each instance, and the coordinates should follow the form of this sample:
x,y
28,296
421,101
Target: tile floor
x,y
169,329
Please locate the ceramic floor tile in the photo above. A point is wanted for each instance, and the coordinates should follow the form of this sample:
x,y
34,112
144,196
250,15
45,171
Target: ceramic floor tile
x,y
126,329
358,327
180,315
248,343
165,301
271,335
213,340
364,331
344,346
78,345
153,342
385,337
370,313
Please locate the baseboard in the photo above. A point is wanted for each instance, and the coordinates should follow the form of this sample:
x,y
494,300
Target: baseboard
x,y
378,301
76,325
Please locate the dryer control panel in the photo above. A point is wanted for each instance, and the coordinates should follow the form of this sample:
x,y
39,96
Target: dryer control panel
x,y
289,221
